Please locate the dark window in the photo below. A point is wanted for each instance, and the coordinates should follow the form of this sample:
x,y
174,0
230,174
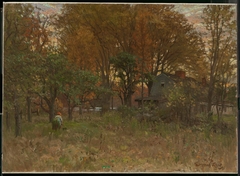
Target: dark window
x,y
162,84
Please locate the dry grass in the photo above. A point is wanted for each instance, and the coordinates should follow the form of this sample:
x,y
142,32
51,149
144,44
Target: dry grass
x,y
106,144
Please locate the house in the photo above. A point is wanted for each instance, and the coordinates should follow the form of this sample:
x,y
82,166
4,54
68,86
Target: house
x,y
197,89
165,82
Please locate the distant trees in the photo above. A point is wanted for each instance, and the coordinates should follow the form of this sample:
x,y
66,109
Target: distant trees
x,y
220,25
90,34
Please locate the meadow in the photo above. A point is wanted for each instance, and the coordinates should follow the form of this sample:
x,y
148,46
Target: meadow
x,y
112,143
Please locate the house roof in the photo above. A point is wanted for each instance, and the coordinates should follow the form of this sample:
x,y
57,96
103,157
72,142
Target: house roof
x,y
176,78
187,82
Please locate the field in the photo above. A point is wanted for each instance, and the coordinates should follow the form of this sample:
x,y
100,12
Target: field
x,y
91,143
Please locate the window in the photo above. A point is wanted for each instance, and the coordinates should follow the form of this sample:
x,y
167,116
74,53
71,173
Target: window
x,y
162,84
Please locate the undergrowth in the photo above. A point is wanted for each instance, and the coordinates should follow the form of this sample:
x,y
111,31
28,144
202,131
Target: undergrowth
x,y
119,144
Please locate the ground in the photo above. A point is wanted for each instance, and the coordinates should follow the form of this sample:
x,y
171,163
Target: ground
x,y
91,143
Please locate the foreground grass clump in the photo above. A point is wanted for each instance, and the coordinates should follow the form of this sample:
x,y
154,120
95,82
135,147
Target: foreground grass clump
x,y
119,144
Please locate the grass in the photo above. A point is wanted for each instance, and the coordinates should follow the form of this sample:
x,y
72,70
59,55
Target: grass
x,y
115,144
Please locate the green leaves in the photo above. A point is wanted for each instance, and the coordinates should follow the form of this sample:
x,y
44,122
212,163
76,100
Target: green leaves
x,y
125,70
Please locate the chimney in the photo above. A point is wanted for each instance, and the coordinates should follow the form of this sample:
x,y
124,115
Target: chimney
x,y
204,81
180,74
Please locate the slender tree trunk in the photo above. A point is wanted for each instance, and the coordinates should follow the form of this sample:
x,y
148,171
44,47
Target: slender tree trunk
x,y
149,86
29,113
17,116
217,109
21,113
105,104
69,109
121,98
80,109
142,102
17,123
51,112
129,99
221,112
209,99
125,100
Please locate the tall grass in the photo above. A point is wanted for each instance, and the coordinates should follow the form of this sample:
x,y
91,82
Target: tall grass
x,y
119,144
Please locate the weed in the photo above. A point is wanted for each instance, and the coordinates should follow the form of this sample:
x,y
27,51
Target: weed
x,y
207,132
63,160
176,157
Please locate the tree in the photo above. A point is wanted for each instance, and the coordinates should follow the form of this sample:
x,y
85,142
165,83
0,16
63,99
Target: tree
x,y
143,45
90,34
51,76
17,74
183,98
226,72
166,41
126,73
79,84
25,32
21,28
220,33
88,22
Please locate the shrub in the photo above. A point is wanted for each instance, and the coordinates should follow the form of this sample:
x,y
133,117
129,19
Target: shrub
x,y
113,118
127,112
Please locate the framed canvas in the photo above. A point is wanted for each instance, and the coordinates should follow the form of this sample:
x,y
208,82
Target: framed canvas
x,y
135,87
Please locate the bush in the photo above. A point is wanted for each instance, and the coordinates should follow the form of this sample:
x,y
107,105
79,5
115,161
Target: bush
x,y
113,118
127,112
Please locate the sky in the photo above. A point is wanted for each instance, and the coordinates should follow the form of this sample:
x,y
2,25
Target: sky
x,y
192,11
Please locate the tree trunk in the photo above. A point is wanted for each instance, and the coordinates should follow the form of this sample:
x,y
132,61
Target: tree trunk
x,y
69,112
17,116
51,112
209,100
221,112
149,86
17,123
217,109
129,100
51,103
80,109
69,109
105,104
29,113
